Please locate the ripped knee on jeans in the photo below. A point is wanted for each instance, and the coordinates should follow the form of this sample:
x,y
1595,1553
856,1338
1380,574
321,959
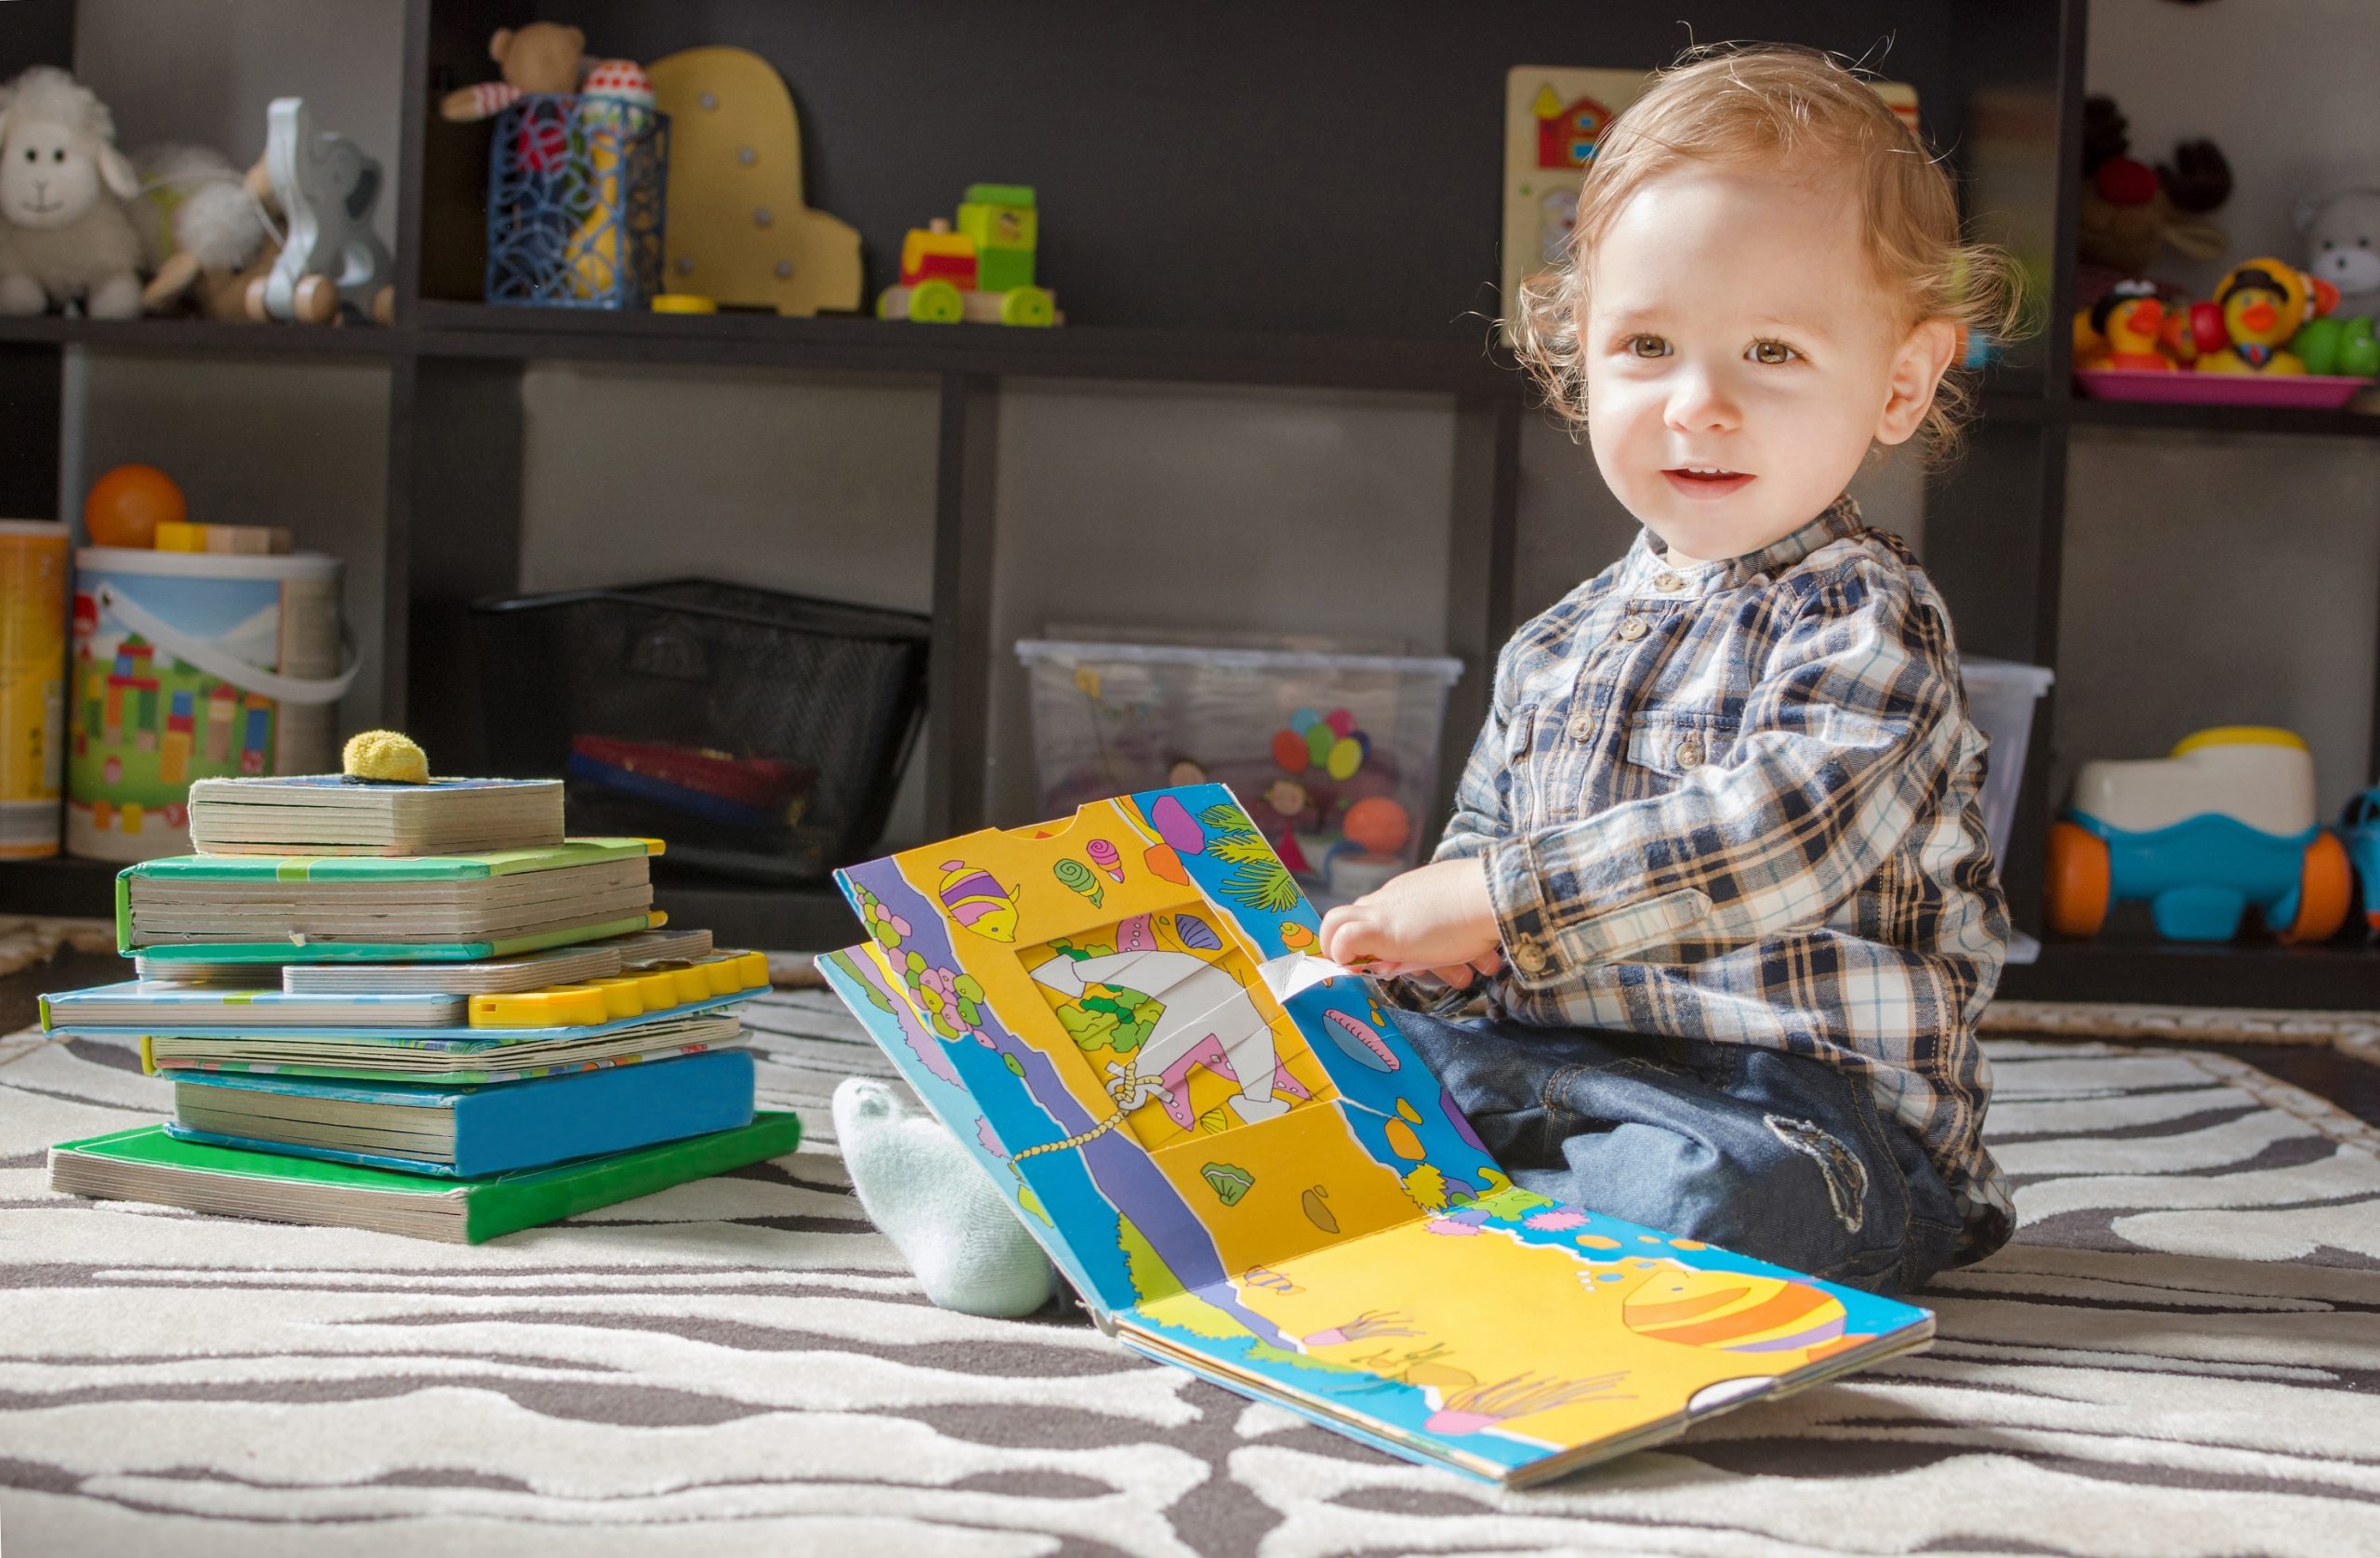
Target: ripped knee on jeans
x,y
1846,1176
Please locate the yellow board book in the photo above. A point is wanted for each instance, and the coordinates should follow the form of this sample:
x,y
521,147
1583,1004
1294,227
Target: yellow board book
x,y
1226,1145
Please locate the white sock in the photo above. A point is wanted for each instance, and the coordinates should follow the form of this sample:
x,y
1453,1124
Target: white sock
x,y
935,1203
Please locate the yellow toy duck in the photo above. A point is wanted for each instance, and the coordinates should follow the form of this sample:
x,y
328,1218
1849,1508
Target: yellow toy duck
x,y
2258,307
2123,329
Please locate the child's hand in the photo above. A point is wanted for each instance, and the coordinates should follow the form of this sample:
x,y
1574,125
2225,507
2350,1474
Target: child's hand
x,y
1439,918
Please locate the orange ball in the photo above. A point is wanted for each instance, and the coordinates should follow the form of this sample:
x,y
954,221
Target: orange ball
x,y
1378,825
126,505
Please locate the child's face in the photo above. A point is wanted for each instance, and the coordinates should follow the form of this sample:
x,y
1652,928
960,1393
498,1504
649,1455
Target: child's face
x,y
1741,358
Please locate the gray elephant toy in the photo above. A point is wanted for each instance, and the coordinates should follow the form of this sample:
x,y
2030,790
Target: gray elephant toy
x,y
333,261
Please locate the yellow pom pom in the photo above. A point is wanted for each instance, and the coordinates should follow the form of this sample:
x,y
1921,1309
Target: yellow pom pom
x,y
387,757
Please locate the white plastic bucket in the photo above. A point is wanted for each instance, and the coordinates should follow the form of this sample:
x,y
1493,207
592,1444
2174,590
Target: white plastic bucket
x,y
2001,695
192,665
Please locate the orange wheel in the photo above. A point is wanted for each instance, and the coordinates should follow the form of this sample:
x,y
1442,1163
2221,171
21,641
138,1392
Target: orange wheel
x,y
2325,889
2075,895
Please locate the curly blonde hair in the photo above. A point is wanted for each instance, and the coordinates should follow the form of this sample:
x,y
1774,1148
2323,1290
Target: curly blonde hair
x,y
1766,102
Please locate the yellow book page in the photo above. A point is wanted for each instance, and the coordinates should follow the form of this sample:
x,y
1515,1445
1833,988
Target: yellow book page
x,y
1537,1341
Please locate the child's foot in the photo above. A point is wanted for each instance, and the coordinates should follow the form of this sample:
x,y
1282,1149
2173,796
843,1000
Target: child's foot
x,y
947,1219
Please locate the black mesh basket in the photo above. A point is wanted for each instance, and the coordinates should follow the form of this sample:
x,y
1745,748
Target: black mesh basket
x,y
760,733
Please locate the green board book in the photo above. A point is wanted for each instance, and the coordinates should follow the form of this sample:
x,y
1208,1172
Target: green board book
x,y
387,868
464,907
146,1164
198,953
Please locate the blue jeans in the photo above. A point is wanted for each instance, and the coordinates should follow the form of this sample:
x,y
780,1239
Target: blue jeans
x,y
1772,1156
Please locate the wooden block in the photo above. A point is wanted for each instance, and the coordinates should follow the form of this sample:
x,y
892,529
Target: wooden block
x,y
247,540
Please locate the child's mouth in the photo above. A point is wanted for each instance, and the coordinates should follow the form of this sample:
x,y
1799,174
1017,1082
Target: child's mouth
x,y
1706,482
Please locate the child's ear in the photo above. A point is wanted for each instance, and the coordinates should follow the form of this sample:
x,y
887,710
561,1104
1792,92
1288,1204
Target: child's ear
x,y
1918,366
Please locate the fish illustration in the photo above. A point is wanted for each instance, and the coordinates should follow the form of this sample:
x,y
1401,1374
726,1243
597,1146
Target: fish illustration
x,y
1733,1312
1359,1041
976,899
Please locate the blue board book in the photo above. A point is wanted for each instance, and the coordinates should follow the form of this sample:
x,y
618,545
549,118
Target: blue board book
x,y
465,1132
1230,1149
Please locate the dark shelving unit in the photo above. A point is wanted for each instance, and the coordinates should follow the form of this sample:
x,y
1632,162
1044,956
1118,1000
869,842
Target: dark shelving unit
x,y
1184,258
2223,419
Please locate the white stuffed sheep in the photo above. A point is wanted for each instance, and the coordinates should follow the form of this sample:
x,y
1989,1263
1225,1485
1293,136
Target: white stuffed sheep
x,y
62,189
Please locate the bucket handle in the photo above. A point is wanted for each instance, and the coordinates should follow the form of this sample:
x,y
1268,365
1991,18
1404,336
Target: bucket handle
x,y
220,663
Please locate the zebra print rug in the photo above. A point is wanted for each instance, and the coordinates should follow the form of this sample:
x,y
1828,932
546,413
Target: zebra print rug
x,y
2181,1355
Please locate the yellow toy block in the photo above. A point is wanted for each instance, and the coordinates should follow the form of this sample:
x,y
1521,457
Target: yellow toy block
x,y
621,997
724,976
687,981
648,992
565,1006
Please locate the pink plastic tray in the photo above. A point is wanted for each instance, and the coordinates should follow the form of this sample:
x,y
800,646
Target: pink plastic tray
x,y
2312,391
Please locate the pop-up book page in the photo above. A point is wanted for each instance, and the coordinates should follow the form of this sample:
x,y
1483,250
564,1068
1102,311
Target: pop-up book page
x,y
1229,1149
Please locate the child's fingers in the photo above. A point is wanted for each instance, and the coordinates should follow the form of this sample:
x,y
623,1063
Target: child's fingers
x,y
1457,977
1348,936
1490,963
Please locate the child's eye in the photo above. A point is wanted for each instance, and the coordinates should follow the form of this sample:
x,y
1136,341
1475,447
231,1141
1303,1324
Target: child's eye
x,y
1646,346
1771,354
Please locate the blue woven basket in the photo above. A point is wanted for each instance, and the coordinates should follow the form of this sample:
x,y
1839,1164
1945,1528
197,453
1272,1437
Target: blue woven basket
x,y
576,195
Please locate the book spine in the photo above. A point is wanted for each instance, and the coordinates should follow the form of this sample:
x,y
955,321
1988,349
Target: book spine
x,y
598,1111
507,1206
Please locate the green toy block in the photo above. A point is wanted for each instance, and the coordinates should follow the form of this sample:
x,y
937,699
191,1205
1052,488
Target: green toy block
x,y
998,270
999,224
999,194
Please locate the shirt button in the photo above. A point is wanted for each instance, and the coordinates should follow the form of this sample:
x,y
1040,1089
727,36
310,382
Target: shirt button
x,y
1668,581
1689,752
1530,956
1582,729
1632,629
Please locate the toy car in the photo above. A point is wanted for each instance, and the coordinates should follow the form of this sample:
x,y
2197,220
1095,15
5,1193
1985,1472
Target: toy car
x,y
983,272
2224,822
2359,826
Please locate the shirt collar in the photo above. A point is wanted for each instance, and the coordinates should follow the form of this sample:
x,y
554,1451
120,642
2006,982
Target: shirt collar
x,y
1836,521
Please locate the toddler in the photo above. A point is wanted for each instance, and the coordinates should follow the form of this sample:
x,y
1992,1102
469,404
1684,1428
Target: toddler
x,y
1717,853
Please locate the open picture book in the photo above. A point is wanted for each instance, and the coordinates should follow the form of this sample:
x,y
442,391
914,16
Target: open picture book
x,y
1225,1145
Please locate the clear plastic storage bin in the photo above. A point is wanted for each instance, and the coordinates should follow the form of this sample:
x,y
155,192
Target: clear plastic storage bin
x,y
1335,756
2001,695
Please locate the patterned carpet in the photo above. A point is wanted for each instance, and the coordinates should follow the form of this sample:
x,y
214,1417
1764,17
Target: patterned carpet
x,y
2181,1356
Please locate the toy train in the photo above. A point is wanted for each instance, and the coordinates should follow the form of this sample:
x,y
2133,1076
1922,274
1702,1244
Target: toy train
x,y
982,271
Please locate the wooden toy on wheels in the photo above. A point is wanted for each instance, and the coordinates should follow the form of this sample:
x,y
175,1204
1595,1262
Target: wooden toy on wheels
x,y
333,259
2224,824
981,272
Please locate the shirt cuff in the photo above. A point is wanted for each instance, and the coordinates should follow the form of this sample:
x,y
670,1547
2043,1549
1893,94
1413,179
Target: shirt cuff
x,y
1548,942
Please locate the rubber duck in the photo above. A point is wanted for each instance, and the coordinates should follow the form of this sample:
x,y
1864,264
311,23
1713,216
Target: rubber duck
x,y
2124,330
2257,307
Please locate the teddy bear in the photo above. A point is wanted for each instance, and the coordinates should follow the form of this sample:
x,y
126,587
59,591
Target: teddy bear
x,y
2342,234
539,57
2130,213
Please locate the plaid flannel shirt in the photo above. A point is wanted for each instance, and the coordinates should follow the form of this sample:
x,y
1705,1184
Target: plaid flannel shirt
x,y
1737,801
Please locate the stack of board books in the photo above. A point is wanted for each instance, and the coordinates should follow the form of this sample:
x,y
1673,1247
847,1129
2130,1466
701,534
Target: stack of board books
x,y
416,1009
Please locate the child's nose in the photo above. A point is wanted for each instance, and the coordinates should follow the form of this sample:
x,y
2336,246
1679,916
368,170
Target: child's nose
x,y
1699,401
